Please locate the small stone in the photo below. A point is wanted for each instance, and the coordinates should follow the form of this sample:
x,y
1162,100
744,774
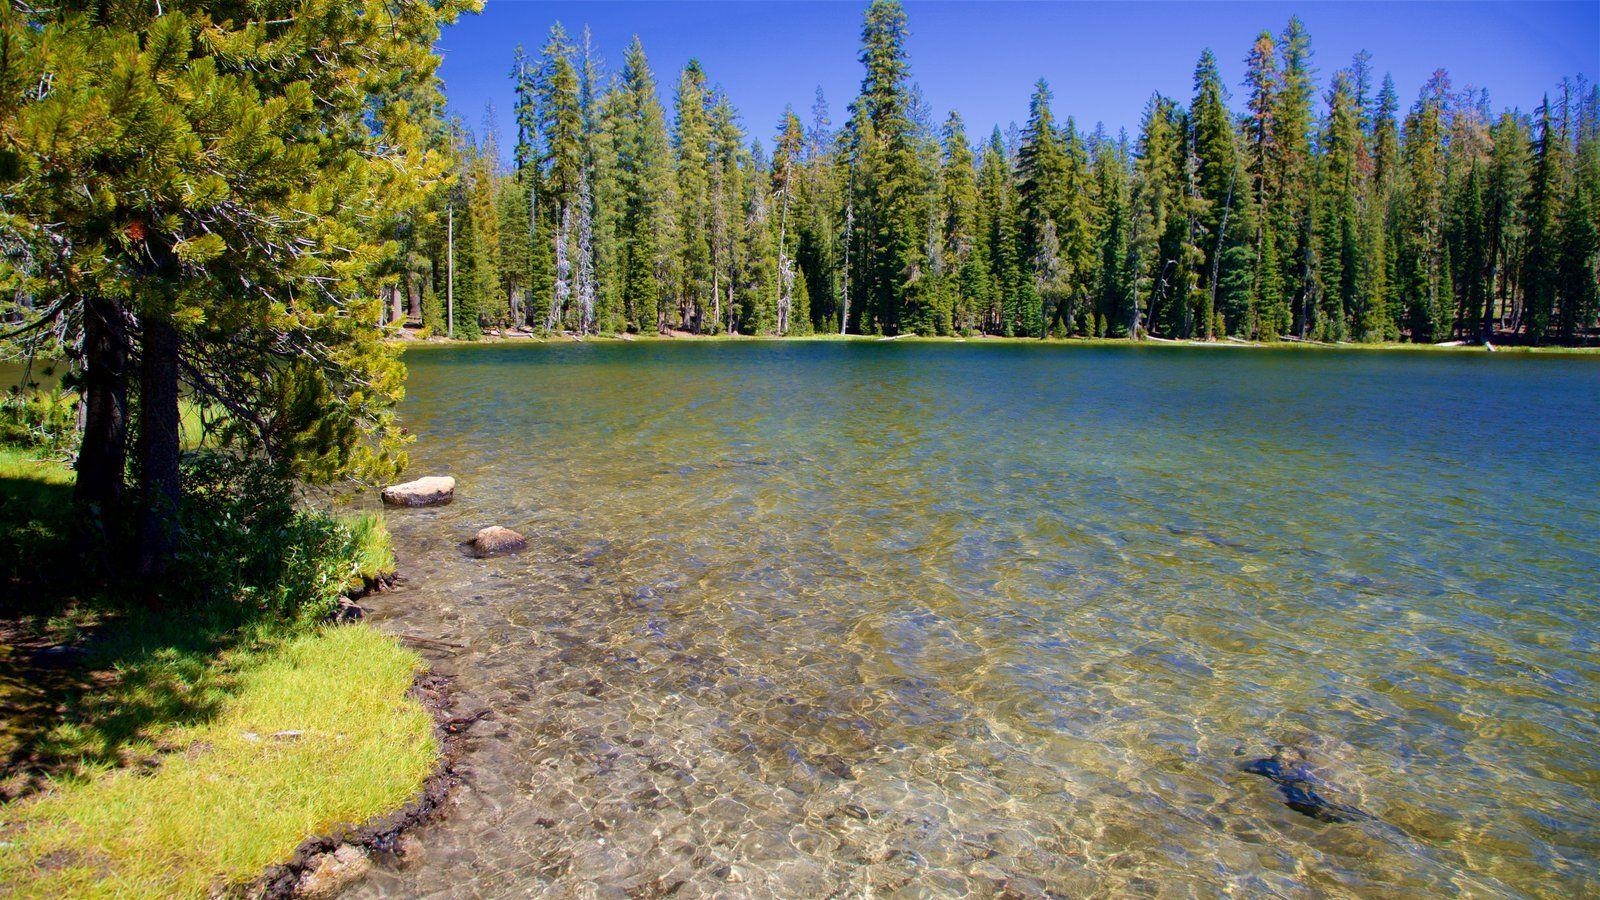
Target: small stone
x,y
334,872
496,541
59,657
434,490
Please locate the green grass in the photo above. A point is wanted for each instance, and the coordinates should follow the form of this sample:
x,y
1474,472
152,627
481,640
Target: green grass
x,y
374,548
35,510
228,798
154,785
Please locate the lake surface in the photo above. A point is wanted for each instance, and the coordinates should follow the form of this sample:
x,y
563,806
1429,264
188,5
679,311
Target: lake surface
x,y
811,619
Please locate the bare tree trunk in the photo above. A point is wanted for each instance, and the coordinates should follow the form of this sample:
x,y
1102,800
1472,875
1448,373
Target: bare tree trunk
x,y
1486,327
849,231
1216,258
586,280
563,285
103,455
413,295
533,237
158,449
785,276
450,281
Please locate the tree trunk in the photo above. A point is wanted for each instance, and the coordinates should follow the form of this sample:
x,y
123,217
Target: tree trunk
x,y
158,450
103,456
450,278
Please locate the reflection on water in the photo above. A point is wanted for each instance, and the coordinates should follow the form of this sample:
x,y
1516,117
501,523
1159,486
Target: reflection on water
x,y
804,619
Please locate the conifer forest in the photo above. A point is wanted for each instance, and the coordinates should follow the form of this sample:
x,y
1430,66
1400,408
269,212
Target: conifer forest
x,y
1329,209
1225,525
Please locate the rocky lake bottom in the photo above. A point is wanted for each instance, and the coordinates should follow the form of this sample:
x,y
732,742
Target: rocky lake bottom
x,y
810,620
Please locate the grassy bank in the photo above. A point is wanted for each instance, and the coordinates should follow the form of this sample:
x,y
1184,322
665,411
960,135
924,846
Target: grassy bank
x,y
169,752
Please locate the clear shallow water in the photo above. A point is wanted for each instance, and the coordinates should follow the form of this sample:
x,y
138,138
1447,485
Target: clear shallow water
x,y
804,619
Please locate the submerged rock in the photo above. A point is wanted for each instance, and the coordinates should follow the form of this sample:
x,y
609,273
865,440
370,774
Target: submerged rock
x,y
434,490
1297,785
497,541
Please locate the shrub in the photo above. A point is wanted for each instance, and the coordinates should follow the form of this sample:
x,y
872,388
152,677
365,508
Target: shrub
x,y
247,542
31,417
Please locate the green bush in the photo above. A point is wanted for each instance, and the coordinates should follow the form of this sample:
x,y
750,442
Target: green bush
x,y
46,419
247,542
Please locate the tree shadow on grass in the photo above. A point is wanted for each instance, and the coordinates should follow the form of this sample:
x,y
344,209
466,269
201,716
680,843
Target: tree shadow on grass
x,y
79,698
86,680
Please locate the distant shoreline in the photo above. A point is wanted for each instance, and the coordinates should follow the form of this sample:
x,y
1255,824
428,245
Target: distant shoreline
x,y
497,339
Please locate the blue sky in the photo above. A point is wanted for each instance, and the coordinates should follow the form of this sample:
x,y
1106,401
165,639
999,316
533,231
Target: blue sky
x,y
1103,60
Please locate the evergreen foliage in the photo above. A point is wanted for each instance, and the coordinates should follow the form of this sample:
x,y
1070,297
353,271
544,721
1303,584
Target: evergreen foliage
x,y
1312,213
212,200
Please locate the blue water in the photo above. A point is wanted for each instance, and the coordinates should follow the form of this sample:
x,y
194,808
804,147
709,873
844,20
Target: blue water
x,y
945,618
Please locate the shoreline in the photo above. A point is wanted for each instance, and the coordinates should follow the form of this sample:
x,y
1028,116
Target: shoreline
x,y
318,741
320,867
408,341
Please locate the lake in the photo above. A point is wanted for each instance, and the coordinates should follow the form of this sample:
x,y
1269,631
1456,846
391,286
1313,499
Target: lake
x,y
809,618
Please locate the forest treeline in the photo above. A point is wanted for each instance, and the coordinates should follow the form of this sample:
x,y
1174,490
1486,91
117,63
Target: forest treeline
x,y
1327,214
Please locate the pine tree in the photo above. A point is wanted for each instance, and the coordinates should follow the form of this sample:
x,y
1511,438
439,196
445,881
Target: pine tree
x,y
966,270
786,162
560,126
202,187
1577,277
692,146
648,256
1339,231
1114,275
817,252
1507,182
1471,251
1268,309
1291,169
600,192
1541,214
1428,306
757,279
727,212
483,209
530,260
462,315
892,188
1182,243
1042,198
1157,198
1078,218
1219,182
999,240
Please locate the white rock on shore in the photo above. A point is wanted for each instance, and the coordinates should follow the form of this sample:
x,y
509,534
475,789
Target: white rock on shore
x,y
434,490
